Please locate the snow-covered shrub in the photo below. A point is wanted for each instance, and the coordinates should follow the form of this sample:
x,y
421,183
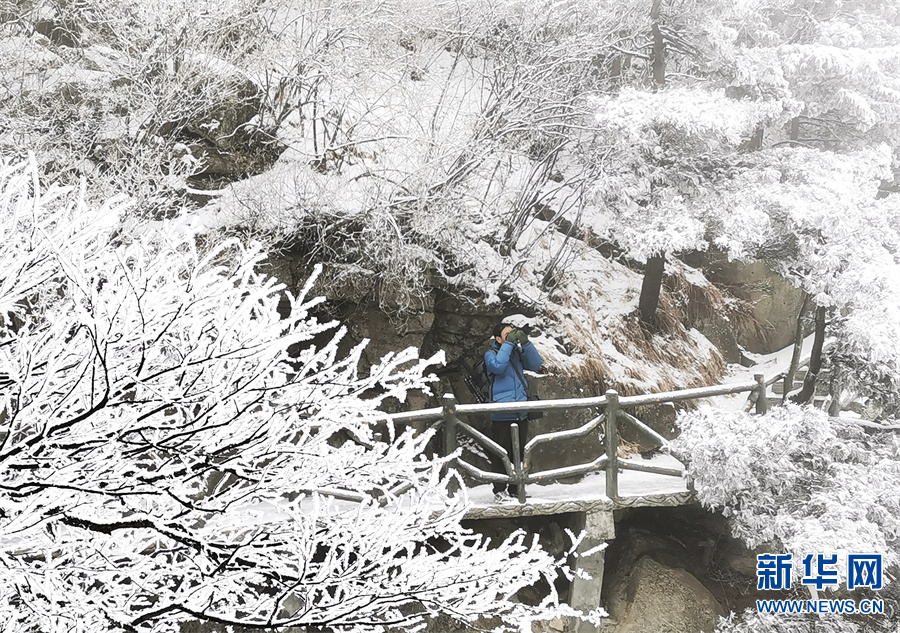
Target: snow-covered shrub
x,y
753,622
164,458
145,96
797,480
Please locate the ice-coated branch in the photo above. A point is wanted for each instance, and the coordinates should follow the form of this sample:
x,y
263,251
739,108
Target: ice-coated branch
x,y
165,458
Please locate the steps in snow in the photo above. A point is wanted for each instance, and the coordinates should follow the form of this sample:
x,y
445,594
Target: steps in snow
x,y
817,401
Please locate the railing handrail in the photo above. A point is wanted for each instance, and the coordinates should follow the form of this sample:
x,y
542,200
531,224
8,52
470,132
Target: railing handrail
x,y
518,471
422,415
686,394
533,405
583,403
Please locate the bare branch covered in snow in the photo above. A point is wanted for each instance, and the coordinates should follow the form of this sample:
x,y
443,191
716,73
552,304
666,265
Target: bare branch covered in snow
x,y
169,441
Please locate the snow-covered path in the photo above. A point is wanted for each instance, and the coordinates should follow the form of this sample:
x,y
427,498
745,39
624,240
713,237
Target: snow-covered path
x,y
635,489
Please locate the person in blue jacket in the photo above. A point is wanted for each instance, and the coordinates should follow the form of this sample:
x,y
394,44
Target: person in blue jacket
x,y
510,355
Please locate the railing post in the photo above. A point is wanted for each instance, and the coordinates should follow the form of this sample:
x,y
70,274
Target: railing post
x,y
612,445
450,419
518,475
762,403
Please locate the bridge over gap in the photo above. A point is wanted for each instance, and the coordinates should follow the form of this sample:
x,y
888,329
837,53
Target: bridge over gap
x,y
609,482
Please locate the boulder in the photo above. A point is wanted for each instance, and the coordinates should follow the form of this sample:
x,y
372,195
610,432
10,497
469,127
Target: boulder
x,y
656,598
220,132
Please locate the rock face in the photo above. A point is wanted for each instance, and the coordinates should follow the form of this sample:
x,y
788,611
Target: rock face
x,y
461,328
580,450
656,598
720,332
774,300
660,418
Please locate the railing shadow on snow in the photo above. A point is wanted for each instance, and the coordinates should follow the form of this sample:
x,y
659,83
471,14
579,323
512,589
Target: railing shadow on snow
x,y
518,471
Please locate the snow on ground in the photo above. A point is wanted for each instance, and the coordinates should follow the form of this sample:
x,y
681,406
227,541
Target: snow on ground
x,y
593,487
590,488
766,364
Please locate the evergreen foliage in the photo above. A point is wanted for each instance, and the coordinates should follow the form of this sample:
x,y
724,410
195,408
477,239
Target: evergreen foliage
x,y
797,481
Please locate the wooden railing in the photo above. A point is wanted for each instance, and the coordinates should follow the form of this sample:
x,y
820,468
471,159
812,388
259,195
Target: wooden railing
x,y
518,471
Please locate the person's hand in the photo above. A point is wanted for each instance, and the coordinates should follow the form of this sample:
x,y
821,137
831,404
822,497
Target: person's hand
x,y
517,336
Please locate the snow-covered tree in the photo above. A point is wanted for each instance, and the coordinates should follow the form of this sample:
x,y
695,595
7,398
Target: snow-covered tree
x,y
172,448
140,97
809,74
838,60
782,150
797,478
800,482
433,133
817,217
666,152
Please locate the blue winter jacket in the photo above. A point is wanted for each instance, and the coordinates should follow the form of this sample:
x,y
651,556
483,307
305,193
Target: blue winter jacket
x,y
501,362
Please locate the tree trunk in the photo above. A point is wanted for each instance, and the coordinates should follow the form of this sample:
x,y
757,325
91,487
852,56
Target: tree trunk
x,y
834,409
815,361
658,53
798,350
651,285
650,288
754,143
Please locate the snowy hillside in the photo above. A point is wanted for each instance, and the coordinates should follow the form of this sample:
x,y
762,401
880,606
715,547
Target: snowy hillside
x,y
664,191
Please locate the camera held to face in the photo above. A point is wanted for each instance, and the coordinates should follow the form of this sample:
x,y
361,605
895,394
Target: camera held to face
x,y
517,337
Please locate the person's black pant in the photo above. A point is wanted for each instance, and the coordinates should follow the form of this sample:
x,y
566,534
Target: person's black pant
x,y
500,433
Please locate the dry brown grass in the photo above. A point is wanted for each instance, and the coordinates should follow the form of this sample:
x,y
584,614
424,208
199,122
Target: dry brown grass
x,y
669,317
744,322
674,349
592,373
653,362
695,304
626,449
620,353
